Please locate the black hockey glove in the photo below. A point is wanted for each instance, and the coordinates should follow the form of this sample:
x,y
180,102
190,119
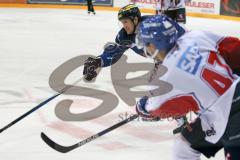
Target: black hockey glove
x,y
90,66
182,123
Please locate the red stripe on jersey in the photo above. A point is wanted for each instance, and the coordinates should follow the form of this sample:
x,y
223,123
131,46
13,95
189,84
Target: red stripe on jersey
x,y
229,49
177,107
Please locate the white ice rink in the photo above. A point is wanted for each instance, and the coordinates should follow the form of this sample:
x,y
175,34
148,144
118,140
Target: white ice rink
x,y
33,43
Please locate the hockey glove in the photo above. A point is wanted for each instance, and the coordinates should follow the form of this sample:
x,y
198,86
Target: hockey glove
x,y
90,66
141,109
182,123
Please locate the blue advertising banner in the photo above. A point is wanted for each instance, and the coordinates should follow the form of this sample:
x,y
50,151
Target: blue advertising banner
x,y
83,2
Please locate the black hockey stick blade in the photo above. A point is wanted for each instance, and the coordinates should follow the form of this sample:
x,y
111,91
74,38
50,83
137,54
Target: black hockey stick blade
x,y
65,149
57,147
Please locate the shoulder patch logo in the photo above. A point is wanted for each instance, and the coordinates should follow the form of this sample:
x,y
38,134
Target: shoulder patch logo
x,y
190,60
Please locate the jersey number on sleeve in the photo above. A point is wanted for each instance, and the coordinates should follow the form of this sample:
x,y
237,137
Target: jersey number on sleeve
x,y
217,81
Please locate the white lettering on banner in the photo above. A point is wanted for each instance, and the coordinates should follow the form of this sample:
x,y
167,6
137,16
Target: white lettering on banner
x,y
148,4
145,1
195,6
203,6
200,5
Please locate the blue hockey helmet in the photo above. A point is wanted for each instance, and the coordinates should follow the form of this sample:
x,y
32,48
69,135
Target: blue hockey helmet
x,y
159,30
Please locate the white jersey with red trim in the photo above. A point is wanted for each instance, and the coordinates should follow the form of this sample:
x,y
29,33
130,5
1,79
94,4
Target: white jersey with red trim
x,y
202,81
169,4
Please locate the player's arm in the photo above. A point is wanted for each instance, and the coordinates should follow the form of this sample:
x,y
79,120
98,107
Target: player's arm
x,y
229,49
111,54
173,106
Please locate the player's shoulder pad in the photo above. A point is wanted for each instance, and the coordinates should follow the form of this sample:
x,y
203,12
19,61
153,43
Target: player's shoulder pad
x,y
121,36
124,38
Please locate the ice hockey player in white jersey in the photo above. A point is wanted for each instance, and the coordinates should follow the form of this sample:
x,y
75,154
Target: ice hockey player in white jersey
x,y
174,9
203,69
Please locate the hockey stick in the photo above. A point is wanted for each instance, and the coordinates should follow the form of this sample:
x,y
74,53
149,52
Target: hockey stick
x,y
39,106
65,149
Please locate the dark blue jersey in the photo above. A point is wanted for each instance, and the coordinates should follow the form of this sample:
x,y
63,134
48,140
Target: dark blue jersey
x,y
124,41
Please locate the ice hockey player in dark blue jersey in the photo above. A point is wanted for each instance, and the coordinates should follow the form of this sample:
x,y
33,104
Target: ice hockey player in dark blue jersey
x,y
130,17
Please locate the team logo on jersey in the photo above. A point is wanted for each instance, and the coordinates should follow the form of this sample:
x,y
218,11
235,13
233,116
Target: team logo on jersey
x,y
190,60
